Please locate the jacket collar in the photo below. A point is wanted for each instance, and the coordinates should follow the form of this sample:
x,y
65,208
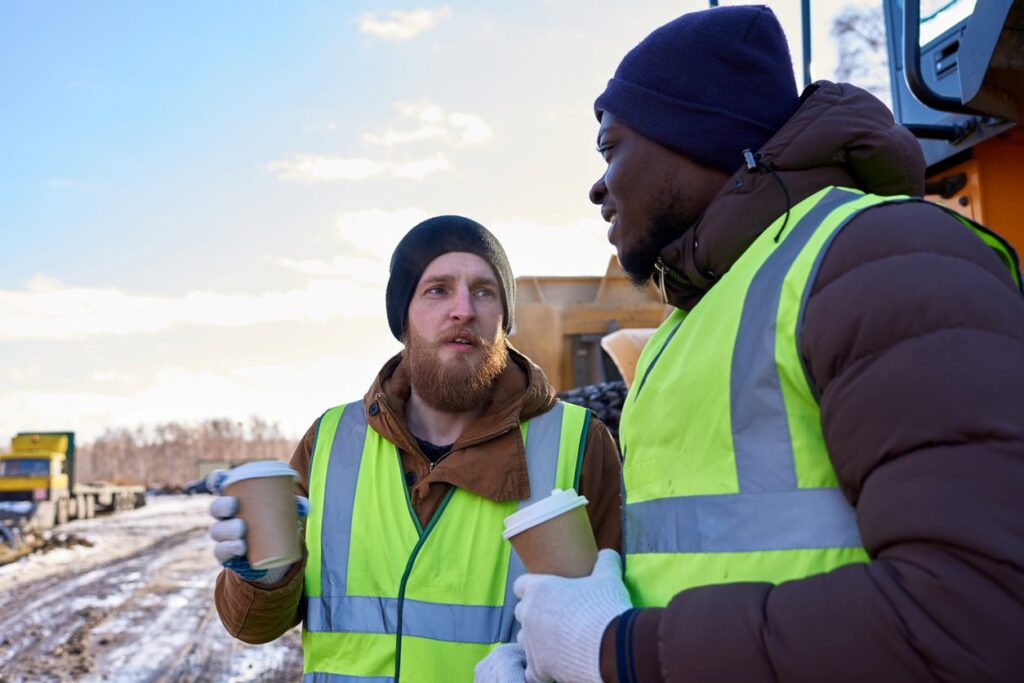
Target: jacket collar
x,y
489,458
840,135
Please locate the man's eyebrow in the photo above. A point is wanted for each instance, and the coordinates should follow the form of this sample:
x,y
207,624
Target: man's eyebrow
x,y
484,280
439,277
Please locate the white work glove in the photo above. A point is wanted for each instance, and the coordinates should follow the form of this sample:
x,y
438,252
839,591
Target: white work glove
x,y
563,620
229,533
505,664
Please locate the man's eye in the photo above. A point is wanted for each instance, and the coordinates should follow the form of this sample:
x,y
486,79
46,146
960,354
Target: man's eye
x,y
603,150
486,293
436,291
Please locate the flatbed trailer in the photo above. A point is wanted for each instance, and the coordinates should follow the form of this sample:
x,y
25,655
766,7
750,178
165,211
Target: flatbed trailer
x,y
38,490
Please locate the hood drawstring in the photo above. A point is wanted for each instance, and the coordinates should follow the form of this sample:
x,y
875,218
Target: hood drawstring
x,y
662,271
752,164
659,279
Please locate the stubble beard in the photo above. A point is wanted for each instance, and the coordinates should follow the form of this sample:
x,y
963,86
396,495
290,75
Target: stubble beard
x,y
663,227
459,384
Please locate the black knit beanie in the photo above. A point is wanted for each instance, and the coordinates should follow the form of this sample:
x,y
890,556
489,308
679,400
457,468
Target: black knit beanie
x,y
708,85
430,239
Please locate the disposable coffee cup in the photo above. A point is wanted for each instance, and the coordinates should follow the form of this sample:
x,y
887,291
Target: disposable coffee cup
x,y
553,536
266,501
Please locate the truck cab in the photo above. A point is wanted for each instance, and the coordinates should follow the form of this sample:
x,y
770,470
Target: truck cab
x,y
35,474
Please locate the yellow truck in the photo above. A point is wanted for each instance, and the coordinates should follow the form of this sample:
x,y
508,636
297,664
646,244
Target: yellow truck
x,y
38,487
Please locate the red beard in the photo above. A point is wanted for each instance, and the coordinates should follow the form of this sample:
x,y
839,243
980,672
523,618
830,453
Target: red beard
x,y
459,384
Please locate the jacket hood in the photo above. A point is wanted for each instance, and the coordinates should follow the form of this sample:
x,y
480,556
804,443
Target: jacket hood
x,y
840,135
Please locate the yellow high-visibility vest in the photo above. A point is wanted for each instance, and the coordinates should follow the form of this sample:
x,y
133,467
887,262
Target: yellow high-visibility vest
x,y
387,598
727,475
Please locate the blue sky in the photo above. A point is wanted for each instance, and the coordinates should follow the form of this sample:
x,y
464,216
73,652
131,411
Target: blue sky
x,y
198,200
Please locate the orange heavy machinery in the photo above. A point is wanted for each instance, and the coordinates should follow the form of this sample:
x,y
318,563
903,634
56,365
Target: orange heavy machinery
x,y
957,78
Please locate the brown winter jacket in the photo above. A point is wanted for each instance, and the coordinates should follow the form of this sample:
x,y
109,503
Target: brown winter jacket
x,y
488,459
914,337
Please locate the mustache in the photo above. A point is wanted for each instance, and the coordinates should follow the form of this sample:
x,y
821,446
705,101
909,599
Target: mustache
x,y
462,333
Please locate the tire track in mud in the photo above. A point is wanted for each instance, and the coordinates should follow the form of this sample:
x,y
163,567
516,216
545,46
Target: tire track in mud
x,y
148,616
47,623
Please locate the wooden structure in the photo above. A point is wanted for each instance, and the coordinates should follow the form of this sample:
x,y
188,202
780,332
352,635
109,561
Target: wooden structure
x,y
560,321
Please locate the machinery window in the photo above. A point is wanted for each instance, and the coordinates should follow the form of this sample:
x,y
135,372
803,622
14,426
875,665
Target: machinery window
x,y
25,467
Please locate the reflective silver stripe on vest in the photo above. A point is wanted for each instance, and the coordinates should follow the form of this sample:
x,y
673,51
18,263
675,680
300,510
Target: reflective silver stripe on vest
x,y
806,518
438,621
339,496
543,437
320,677
760,429
335,611
770,512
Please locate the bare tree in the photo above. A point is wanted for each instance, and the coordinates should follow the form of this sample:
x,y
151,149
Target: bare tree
x,y
170,454
863,57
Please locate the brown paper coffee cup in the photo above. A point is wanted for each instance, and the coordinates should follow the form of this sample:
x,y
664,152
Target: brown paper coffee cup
x,y
553,536
266,501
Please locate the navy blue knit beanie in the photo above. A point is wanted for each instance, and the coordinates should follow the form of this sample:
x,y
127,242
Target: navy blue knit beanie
x,y
430,239
707,85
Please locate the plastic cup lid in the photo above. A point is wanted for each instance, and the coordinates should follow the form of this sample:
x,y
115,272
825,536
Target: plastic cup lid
x,y
257,470
559,502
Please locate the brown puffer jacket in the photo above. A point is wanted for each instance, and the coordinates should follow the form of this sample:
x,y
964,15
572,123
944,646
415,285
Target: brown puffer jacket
x,y
914,336
488,459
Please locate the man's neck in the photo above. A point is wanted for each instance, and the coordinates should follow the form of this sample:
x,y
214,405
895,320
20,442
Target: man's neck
x,y
435,426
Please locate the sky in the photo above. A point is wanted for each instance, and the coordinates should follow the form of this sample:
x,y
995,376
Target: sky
x,y
198,200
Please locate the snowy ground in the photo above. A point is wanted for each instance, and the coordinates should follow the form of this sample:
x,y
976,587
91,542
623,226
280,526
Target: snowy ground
x,y
136,606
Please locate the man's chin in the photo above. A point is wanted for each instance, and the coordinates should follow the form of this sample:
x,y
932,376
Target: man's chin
x,y
638,270
458,359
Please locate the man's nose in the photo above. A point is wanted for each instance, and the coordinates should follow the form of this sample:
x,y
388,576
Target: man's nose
x,y
462,304
598,191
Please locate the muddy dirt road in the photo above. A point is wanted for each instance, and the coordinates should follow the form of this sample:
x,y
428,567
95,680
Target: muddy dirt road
x,y
135,606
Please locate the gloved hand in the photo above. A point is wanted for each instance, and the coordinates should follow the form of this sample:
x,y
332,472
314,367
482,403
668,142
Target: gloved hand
x,y
505,664
229,533
563,620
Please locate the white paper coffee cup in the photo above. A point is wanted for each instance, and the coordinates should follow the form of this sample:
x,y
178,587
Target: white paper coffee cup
x,y
554,536
266,502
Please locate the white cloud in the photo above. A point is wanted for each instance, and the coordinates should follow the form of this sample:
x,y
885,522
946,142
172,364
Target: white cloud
x,y
376,232
23,373
292,393
319,168
401,26
364,270
391,138
575,248
472,129
457,128
82,312
43,283
370,236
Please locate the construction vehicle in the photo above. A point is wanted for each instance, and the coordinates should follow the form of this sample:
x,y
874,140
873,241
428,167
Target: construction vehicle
x,y
38,489
957,78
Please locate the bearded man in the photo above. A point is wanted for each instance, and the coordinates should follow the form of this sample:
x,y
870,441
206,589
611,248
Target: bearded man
x,y
405,569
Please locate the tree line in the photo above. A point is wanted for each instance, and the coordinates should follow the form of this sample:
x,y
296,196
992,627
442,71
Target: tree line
x,y
171,454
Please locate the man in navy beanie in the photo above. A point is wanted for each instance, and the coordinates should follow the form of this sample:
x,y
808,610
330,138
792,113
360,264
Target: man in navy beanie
x,y
405,569
823,451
